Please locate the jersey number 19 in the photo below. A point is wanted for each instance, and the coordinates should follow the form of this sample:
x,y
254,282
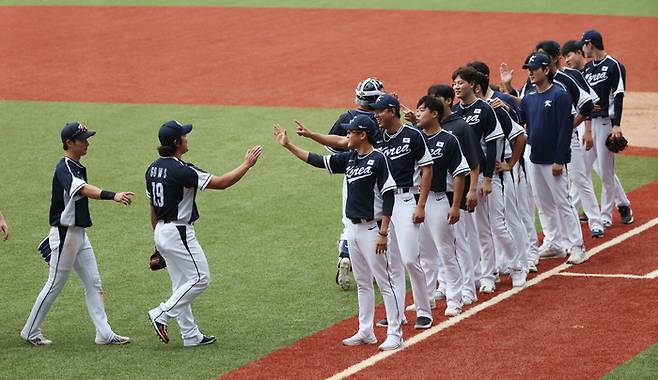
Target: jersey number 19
x,y
157,194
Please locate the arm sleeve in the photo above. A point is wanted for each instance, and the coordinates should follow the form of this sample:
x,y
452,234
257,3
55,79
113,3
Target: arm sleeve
x,y
490,162
490,124
564,129
388,203
148,190
336,163
385,180
423,155
619,107
71,182
471,145
316,160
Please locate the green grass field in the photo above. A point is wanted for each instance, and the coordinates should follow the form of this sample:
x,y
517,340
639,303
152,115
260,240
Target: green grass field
x,y
607,7
270,240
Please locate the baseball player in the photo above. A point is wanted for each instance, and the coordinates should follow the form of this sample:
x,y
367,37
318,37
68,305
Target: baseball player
x,y
369,205
574,84
492,229
366,92
549,122
514,146
69,245
442,209
607,76
411,167
574,57
4,227
171,186
468,247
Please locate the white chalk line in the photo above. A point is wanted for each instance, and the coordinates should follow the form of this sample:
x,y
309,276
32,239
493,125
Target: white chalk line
x,y
493,301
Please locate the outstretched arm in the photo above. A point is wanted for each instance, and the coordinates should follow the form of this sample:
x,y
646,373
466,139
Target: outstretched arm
x,y
231,178
332,141
93,192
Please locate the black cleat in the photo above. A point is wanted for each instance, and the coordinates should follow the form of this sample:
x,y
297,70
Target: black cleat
x,y
160,329
626,214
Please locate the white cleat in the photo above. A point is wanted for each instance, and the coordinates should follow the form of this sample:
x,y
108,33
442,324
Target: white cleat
x,y
440,295
577,256
116,340
391,343
487,289
518,279
359,339
468,300
452,312
532,268
38,341
549,251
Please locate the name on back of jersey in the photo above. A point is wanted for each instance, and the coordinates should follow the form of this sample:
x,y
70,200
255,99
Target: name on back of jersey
x,y
156,172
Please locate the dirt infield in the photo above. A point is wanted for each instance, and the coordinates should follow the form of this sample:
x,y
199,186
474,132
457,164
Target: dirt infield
x,y
567,334
275,57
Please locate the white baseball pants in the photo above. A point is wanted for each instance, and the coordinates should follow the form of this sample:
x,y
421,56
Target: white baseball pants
x,y
581,179
70,249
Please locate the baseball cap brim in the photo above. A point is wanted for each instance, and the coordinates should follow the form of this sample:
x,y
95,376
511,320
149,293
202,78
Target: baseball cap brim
x,y
187,128
531,67
85,135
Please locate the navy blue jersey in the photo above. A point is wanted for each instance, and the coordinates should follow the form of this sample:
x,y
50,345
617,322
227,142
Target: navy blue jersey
x,y
574,84
407,152
367,177
448,160
486,127
527,88
67,207
511,130
507,99
171,185
344,118
608,79
549,124
467,139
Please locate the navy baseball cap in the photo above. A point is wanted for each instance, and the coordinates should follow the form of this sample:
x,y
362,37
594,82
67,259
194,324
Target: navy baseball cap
x,y
172,130
362,123
537,61
385,101
76,131
592,36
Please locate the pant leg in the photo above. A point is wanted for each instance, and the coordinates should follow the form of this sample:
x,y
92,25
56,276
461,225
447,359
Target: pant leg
x,y
429,257
601,128
184,256
500,230
527,211
443,236
567,214
464,257
519,259
540,177
343,235
407,235
487,250
65,243
582,182
87,269
363,276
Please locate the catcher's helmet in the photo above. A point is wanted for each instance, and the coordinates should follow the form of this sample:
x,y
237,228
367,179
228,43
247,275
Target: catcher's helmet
x,y
368,90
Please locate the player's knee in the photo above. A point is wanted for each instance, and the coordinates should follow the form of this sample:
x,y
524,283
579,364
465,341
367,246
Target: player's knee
x,y
204,281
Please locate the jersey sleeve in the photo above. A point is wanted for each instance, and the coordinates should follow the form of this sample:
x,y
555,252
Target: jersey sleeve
x,y
337,128
70,180
516,131
202,178
148,189
423,155
458,163
562,153
618,79
470,147
336,163
385,181
492,128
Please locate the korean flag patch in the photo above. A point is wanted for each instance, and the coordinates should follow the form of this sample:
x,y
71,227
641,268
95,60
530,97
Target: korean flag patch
x,y
604,68
477,111
370,162
439,143
406,140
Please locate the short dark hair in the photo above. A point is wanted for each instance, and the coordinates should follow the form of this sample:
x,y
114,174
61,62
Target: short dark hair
x,y
480,67
433,104
550,47
572,46
441,90
467,73
482,81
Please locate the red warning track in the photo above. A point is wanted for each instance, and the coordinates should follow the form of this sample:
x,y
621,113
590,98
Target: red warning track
x,y
275,57
558,328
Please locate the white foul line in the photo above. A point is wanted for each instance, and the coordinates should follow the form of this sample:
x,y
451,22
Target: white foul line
x,y
653,274
629,276
493,301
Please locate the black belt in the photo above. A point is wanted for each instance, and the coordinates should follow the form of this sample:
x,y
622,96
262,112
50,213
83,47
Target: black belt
x,y
359,221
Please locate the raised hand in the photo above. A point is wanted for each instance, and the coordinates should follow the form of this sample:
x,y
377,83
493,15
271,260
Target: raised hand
x,y
252,155
301,129
280,134
505,73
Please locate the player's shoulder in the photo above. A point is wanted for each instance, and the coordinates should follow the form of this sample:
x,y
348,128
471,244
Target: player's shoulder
x,y
447,137
410,130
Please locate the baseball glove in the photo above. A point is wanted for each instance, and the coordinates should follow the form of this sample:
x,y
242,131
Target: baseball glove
x,y
616,145
157,262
